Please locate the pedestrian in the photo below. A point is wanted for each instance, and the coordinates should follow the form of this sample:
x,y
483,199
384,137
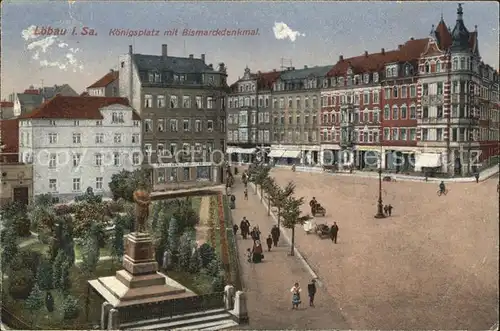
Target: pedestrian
x,y
296,295
245,192
477,177
386,211
249,255
389,209
235,229
269,242
244,228
313,204
275,234
334,231
311,289
257,232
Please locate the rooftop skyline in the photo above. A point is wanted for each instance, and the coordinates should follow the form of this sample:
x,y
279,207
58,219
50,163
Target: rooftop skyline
x,y
307,33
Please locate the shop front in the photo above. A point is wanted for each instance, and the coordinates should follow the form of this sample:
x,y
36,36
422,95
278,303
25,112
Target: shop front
x,y
241,155
285,155
428,163
367,157
310,155
184,175
329,155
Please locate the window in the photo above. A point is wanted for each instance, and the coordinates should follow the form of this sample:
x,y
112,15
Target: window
x,y
52,123
425,134
413,134
298,102
403,133
137,123
210,103
173,125
427,67
98,159
135,138
174,103
185,125
462,63
376,115
404,91
77,138
375,97
117,138
199,103
425,112
267,118
366,98
440,111
148,101
76,184
76,123
197,126
98,123
395,112
439,134
186,102
387,111
52,161
387,134
413,91
53,185
116,159
76,159
52,138
454,87
395,91
98,183
160,101
413,112
455,63
314,102
395,135
438,66
404,112
387,93
148,125
440,88
425,89
210,126
99,138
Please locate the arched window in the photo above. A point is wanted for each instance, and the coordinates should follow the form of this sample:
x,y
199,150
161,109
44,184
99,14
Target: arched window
x,y
388,72
387,111
438,66
393,72
407,70
404,112
462,63
114,118
455,63
468,64
395,91
395,112
427,67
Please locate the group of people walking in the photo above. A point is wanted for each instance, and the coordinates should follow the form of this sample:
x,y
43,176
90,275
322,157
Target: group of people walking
x,y
255,254
296,290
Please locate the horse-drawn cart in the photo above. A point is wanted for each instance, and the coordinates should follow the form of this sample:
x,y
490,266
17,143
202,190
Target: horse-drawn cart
x,y
322,230
319,210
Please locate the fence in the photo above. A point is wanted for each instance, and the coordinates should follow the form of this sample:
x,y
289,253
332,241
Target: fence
x,y
232,247
169,308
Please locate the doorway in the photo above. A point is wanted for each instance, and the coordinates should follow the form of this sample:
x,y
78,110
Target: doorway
x,y
21,194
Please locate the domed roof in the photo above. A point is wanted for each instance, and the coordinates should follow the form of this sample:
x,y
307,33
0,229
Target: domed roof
x,y
460,34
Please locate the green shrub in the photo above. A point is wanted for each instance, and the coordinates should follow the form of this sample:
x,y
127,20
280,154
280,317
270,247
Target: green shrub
x,y
207,254
49,302
218,283
26,259
21,282
70,307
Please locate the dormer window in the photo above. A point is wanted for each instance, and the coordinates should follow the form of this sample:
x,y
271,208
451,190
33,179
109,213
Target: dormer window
x,y
333,81
407,70
157,77
394,72
341,81
325,82
349,71
388,72
366,78
375,77
151,77
427,67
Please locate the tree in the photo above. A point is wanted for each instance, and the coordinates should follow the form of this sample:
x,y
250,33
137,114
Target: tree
x,y
89,196
195,263
117,247
57,269
279,196
173,238
9,246
42,214
21,282
44,276
260,174
207,254
124,183
186,247
15,215
269,187
292,215
70,307
35,302
90,252
86,214
214,268
65,283
184,213
49,302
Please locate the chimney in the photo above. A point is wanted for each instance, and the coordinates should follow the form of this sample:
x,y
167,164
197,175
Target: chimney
x,y
259,72
211,66
164,50
203,57
274,70
412,38
366,53
382,51
305,67
400,46
130,49
111,70
341,58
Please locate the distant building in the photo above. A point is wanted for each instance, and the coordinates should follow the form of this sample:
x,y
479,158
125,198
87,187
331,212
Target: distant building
x,y
181,102
106,86
6,110
16,178
79,142
32,97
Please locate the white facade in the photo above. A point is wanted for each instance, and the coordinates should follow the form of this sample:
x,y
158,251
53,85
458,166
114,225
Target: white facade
x,y
129,82
70,155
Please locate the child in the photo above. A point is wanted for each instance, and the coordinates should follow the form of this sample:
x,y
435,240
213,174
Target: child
x,y
249,255
269,242
246,193
296,295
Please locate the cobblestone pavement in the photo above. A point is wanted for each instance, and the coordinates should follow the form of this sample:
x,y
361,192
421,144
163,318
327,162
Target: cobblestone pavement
x,y
432,265
268,284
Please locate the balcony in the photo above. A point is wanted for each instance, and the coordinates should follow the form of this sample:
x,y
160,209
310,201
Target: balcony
x,y
345,143
432,100
464,120
347,124
431,121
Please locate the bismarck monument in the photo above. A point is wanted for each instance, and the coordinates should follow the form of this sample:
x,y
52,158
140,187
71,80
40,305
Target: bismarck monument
x,y
138,287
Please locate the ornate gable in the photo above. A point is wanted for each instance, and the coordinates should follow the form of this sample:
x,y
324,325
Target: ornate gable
x,y
432,49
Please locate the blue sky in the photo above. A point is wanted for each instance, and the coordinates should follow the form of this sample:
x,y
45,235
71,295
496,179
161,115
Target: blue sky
x,y
326,31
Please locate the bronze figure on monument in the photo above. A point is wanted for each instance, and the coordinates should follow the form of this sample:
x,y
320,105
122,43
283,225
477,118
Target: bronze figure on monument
x,y
142,201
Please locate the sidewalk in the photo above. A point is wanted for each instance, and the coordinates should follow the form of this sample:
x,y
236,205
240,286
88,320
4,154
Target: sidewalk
x,y
268,284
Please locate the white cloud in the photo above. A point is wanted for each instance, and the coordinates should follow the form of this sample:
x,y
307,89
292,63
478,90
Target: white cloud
x,y
47,51
283,31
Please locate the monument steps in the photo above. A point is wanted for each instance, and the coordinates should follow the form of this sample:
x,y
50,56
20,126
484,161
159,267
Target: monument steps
x,y
210,319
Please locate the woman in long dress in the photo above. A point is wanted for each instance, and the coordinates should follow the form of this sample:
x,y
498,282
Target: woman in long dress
x,y
296,296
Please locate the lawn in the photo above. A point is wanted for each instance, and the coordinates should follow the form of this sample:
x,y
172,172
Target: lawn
x,y
43,248
198,283
196,204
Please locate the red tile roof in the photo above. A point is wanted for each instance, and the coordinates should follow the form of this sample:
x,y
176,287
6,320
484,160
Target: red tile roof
x,y
6,104
265,80
105,80
443,35
76,107
10,137
410,51
31,92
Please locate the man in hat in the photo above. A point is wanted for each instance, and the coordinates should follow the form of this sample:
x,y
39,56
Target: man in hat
x,y
311,290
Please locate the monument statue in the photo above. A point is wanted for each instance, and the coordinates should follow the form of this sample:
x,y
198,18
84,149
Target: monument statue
x,y
142,201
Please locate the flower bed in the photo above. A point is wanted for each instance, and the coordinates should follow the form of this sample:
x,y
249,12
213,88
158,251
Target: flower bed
x,y
234,262
211,223
223,237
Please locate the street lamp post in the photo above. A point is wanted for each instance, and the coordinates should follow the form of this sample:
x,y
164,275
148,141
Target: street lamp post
x,y
380,207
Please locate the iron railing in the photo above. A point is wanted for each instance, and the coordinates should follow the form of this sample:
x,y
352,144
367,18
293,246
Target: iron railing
x,y
234,262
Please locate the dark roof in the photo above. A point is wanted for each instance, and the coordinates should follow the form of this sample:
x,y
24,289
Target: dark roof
x,y
30,99
265,80
76,108
177,64
408,52
10,136
64,89
105,80
298,74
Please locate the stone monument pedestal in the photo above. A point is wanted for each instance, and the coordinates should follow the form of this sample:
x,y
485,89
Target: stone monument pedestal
x,y
139,282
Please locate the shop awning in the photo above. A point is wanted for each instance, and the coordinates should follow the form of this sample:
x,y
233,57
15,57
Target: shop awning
x,y
276,153
292,154
427,160
284,153
237,150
